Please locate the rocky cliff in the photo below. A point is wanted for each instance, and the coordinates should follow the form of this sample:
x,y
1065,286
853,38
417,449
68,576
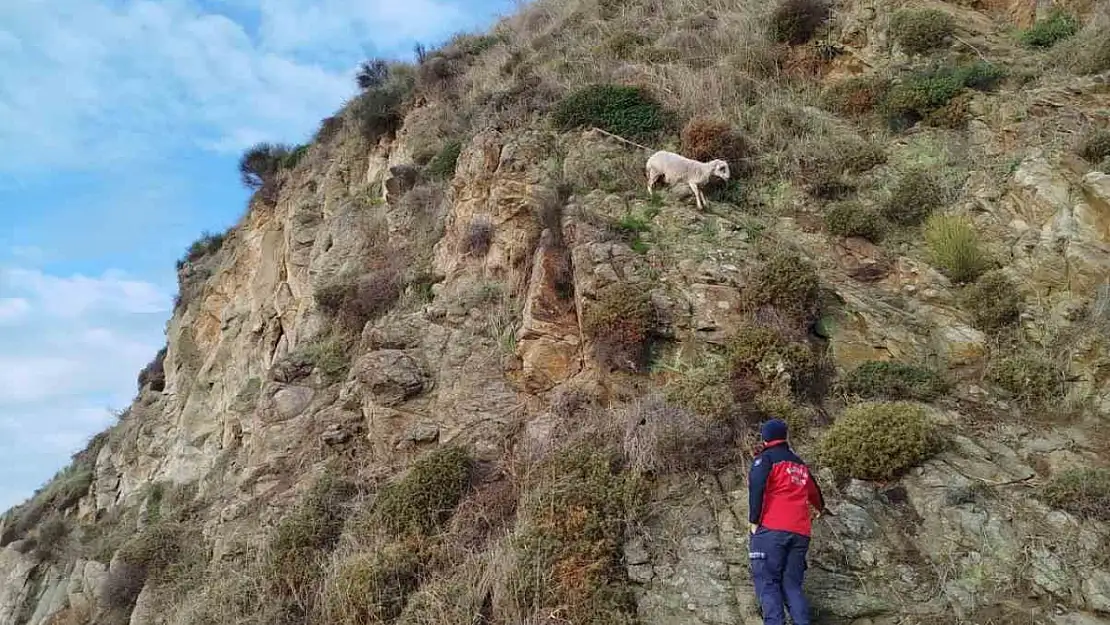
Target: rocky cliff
x,y
455,365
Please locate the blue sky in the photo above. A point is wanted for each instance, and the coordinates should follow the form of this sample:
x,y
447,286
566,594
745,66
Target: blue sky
x,y
121,124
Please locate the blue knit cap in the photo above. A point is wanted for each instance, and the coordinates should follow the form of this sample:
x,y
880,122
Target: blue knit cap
x,y
773,430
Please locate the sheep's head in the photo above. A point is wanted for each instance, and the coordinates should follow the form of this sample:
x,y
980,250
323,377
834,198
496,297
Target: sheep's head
x,y
720,169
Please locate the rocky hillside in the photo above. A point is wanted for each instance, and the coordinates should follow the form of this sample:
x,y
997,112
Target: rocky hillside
x,y
455,365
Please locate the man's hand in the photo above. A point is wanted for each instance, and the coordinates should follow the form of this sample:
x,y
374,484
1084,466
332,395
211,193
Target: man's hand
x,y
752,527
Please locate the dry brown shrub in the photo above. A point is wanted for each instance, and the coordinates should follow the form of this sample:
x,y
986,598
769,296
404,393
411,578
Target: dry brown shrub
x,y
662,438
706,139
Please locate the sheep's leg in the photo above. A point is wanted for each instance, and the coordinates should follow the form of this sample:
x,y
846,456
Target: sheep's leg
x,y
697,194
653,177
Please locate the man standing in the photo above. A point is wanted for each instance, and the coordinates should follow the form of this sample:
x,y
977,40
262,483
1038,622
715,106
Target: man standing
x,y
780,491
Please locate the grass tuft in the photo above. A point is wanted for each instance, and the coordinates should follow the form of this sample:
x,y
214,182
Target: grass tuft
x,y
955,248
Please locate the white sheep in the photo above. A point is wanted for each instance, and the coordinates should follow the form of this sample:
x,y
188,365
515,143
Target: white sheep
x,y
675,168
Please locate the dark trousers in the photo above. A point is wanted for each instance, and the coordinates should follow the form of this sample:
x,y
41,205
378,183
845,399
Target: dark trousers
x,y
778,570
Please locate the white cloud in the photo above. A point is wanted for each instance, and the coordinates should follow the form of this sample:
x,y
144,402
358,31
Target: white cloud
x,y
94,83
12,309
77,295
72,353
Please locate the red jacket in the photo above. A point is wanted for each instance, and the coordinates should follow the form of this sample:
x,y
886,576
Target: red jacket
x,y
781,489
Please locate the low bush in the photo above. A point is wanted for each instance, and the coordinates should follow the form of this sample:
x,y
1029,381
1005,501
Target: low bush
x,y
993,301
920,30
878,440
422,501
776,405
372,74
1094,57
50,538
1030,378
442,165
154,373
925,91
372,587
296,550
855,96
1082,492
796,21
955,248
853,220
703,389
574,511
1095,146
207,245
660,437
354,301
327,355
379,110
260,164
161,552
1059,25
758,355
915,195
121,586
894,381
706,139
619,324
479,236
630,112
786,282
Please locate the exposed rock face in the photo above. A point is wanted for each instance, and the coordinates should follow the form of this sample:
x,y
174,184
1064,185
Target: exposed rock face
x,y
498,266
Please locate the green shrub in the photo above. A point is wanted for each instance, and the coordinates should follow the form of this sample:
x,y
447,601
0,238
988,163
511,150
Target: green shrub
x,y
853,220
878,440
954,248
154,373
206,245
786,282
894,381
260,164
796,21
1082,492
855,96
328,355
993,301
923,92
703,389
1095,147
372,587
296,550
1031,379
774,405
574,511
920,30
442,165
629,112
759,353
426,497
619,324
1059,25
379,111
915,195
